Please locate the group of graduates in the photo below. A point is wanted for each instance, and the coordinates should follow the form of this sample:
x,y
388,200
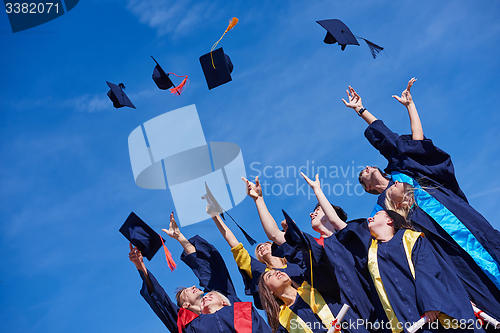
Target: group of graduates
x,y
424,252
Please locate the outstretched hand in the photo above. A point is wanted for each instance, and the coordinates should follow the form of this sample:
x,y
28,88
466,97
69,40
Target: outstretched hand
x,y
254,191
315,185
354,99
173,230
135,256
284,225
406,98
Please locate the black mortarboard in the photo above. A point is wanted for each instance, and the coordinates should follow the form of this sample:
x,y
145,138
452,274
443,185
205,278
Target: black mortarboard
x,y
338,32
218,72
161,78
163,81
217,208
141,235
118,96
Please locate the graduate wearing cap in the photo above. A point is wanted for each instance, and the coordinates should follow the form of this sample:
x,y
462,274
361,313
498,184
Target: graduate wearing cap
x,y
312,306
419,182
220,310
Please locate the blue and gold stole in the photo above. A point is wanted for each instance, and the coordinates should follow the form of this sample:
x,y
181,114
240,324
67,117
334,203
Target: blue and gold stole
x,y
409,239
322,311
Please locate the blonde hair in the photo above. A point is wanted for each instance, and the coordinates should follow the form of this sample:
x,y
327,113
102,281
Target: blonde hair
x,y
222,297
406,204
259,258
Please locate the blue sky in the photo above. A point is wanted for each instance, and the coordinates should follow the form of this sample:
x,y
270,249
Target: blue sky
x,y
67,183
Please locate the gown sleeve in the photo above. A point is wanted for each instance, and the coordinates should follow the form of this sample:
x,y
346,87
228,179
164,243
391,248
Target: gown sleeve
x,y
209,267
437,286
416,158
161,304
382,138
249,267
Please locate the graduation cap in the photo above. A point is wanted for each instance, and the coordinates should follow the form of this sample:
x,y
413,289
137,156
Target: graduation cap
x,y
118,96
216,65
163,81
216,207
145,238
338,32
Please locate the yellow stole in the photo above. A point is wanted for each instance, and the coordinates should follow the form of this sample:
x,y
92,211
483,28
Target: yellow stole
x,y
323,312
409,239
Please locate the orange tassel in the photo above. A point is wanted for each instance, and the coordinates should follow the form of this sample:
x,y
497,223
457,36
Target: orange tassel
x,y
180,88
232,23
170,261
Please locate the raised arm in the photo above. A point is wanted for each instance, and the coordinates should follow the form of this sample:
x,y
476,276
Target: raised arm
x,y
223,228
329,211
271,229
356,104
135,257
416,126
176,234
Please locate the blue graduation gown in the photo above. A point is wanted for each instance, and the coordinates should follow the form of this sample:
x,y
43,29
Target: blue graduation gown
x,y
303,310
435,286
334,274
207,264
201,262
433,168
251,275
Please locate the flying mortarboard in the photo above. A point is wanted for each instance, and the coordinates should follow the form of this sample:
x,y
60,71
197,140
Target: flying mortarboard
x,y
145,238
163,81
217,66
118,96
216,207
338,32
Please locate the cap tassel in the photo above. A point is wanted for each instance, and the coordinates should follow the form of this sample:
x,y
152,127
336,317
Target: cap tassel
x,y
170,261
247,236
180,88
314,306
231,25
374,48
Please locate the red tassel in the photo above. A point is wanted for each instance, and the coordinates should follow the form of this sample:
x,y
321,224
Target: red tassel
x,y
170,261
178,90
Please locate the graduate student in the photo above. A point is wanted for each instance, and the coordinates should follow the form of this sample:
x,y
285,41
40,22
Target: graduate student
x,y
411,280
335,265
312,306
218,311
419,181
319,222
251,268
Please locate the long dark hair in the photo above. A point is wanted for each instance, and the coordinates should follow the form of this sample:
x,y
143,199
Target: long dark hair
x,y
398,221
270,304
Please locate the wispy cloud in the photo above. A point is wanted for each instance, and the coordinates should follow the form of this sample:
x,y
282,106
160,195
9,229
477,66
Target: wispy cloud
x,y
170,17
89,103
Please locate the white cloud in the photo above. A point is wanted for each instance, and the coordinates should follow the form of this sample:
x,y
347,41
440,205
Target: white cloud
x,y
176,17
